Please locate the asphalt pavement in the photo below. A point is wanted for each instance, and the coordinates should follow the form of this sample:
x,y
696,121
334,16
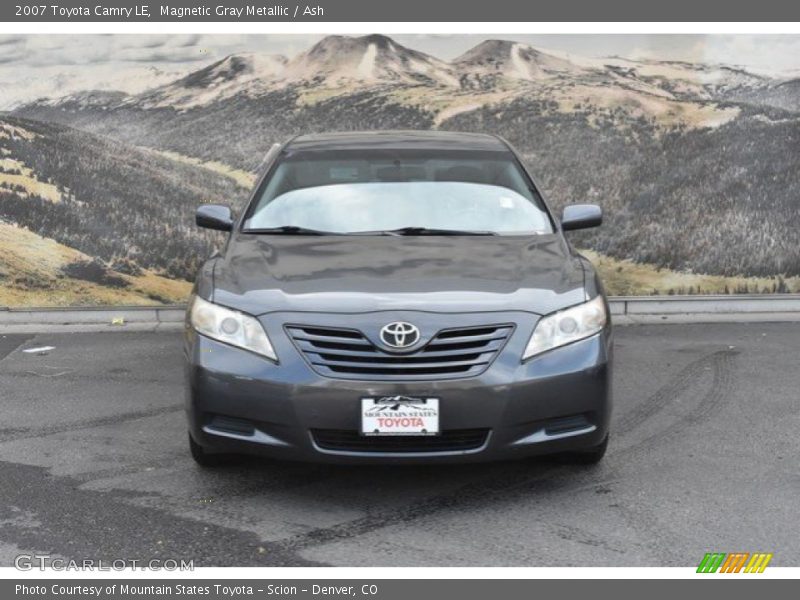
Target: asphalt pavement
x,y
703,457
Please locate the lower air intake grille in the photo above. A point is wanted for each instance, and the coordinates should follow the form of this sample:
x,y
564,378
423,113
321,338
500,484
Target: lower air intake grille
x,y
566,424
448,441
231,425
348,353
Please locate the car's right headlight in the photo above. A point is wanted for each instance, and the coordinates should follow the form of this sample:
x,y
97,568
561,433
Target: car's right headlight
x,y
230,327
567,326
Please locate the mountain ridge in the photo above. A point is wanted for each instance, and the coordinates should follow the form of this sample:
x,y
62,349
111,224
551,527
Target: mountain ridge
x,y
656,143
378,60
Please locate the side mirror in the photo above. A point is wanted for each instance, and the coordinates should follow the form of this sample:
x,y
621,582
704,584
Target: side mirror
x,y
214,216
581,216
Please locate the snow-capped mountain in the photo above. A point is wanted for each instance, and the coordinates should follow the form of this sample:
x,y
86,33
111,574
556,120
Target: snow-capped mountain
x,y
513,60
372,81
337,60
347,64
234,74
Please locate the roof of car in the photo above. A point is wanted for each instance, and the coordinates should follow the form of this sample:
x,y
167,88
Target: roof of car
x,y
393,140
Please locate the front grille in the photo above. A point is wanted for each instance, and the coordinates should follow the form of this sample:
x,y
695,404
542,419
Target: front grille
x,y
348,353
352,441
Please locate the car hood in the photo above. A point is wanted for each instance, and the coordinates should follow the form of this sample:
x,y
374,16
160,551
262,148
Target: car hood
x,y
259,274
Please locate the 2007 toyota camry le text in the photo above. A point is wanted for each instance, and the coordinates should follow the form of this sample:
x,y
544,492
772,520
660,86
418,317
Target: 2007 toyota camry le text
x,y
397,297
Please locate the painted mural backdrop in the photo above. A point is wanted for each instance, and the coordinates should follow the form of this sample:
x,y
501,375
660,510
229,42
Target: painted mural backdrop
x,y
103,160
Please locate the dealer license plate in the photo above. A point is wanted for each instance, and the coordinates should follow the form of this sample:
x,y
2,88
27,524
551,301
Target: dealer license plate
x,y
399,415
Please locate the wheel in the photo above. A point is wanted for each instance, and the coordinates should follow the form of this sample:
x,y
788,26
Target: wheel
x,y
208,459
590,456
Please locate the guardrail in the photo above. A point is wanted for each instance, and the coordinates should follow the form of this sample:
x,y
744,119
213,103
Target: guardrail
x,y
705,309
625,310
110,318
670,305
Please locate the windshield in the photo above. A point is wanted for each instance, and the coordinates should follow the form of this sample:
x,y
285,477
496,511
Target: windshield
x,y
352,192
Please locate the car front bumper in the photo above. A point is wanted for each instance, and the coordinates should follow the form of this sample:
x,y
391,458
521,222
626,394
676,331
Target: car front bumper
x,y
239,402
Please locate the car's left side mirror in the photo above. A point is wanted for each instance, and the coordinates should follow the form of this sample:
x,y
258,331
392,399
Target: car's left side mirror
x,y
581,216
214,216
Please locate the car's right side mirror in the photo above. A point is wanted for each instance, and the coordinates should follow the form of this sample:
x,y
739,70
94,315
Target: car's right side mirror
x,y
581,216
214,216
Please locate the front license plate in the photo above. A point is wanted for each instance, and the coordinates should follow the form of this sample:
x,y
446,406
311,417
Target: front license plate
x,y
399,415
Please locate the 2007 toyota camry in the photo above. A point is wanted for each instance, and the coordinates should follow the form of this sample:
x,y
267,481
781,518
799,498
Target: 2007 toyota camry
x,y
397,297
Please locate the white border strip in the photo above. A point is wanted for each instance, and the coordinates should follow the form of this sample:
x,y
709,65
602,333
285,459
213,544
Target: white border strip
x,y
409,27
378,573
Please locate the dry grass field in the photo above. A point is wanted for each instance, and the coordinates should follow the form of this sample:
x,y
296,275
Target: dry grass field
x,y
31,275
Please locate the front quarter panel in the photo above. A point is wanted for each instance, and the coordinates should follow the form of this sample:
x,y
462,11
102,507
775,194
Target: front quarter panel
x,y
204,284
592,282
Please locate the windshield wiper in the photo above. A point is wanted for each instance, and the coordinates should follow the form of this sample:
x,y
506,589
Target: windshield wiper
x,y
290,230
425,231
410,231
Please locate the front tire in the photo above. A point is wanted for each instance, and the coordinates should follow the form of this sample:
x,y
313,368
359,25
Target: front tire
x,y
206,459
590,456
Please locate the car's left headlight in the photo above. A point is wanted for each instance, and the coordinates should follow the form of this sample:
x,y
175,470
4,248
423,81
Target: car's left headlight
x,y
567,326
231,327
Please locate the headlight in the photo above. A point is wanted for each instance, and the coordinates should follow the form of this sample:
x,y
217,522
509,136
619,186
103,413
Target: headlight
x,y
231,327
567,326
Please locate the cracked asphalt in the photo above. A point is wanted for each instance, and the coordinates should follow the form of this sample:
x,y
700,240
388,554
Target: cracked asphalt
x,y
704,457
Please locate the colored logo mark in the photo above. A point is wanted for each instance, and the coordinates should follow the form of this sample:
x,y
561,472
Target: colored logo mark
x,y
735,562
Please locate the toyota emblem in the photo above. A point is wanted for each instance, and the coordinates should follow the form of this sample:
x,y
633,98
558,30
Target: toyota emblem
x,y
400,334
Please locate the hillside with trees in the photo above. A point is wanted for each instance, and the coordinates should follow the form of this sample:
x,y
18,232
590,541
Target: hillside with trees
x,y
126,209
697,166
